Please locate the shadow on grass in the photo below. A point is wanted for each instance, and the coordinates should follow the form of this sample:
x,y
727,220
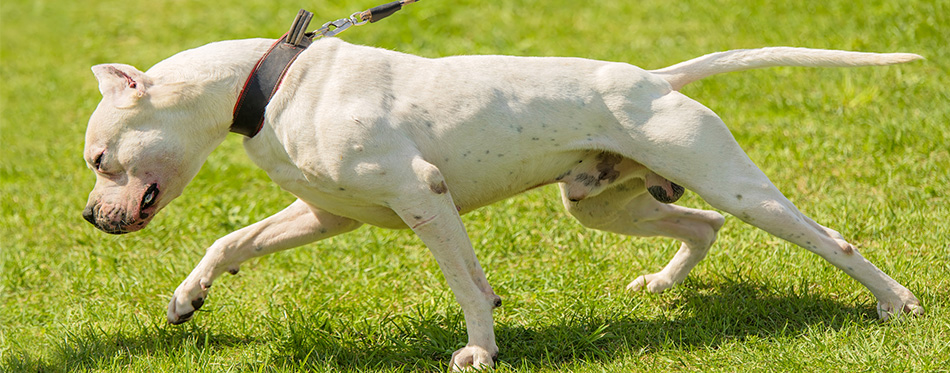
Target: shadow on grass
x,y
91,348
702,315
697,315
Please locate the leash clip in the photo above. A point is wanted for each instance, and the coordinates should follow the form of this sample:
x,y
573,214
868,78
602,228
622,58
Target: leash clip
x,y
335,27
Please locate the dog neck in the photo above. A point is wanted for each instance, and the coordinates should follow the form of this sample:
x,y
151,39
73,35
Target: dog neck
x,y
210,78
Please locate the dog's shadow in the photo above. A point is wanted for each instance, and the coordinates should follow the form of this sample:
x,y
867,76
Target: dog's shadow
x,y
699,314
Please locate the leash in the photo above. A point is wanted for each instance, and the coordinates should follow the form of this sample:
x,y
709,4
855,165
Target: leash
x,y
265,78
370,15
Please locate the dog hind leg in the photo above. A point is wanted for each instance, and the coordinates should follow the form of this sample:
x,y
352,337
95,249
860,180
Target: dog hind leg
x,y
691,146
766,208
627,209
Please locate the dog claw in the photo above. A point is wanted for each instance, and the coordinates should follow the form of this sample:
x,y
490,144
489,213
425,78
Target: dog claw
x,y
178,309
182,318
173,317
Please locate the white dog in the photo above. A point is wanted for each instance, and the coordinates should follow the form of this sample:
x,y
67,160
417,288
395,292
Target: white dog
x,y
365,135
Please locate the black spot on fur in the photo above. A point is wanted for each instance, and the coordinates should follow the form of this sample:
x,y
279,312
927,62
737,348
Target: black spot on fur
x,y
607,172
197,303
587,179
439,188
659,193
678,191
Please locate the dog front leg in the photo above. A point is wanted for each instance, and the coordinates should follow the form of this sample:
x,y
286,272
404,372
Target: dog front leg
x,y
442,231
296,225
429,210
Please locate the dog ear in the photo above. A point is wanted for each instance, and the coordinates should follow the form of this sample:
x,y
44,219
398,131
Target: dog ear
x,y
123,84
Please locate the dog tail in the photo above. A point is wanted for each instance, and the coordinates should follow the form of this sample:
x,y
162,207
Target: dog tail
x,y
695,69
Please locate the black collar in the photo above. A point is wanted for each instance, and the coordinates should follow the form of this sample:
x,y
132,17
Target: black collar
x,y
265,79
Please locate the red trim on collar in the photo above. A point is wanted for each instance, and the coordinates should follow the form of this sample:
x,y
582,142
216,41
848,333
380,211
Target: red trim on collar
x,y
262,83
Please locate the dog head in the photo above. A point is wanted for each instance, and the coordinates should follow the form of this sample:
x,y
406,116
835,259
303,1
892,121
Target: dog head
x,y
145,141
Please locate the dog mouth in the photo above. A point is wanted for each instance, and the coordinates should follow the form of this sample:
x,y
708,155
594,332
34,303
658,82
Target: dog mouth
x,y
113,220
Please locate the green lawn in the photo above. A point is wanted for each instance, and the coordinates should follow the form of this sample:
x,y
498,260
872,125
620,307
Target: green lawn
x,y
865,151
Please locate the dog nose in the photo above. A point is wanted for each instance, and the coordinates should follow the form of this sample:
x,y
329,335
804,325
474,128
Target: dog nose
x,y
89,215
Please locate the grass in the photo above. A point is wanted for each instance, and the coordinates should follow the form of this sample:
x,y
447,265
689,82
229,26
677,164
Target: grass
x,y
862,150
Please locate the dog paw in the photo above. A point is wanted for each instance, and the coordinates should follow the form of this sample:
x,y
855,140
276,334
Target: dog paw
x,y
654,283
908,304
188,298
472,358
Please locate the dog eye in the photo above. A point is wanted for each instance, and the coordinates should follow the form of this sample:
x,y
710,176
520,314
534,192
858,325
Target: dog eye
x,y
97,164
